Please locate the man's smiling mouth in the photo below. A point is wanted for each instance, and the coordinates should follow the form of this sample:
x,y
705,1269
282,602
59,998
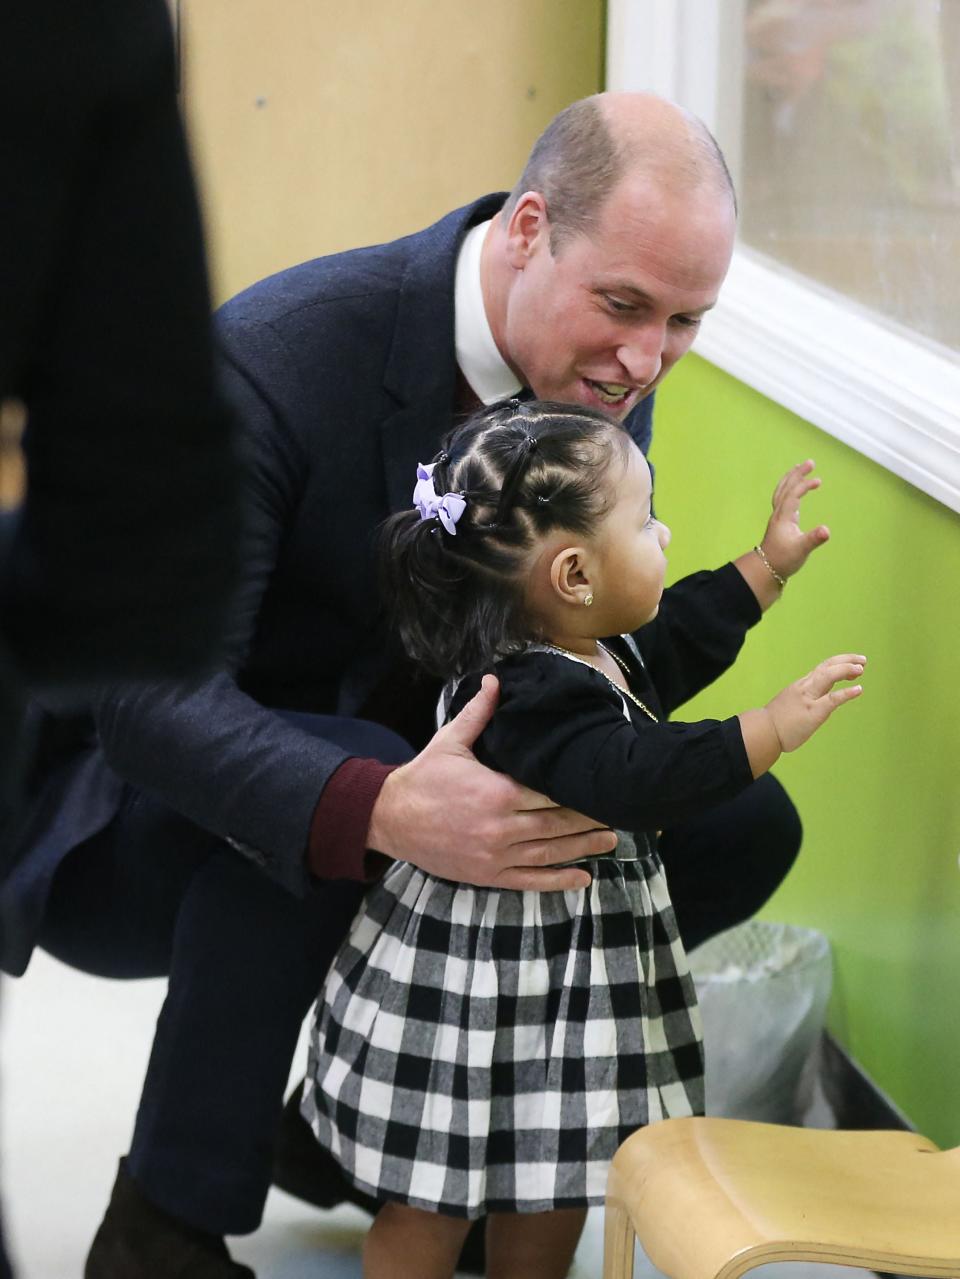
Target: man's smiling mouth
x,y
609,392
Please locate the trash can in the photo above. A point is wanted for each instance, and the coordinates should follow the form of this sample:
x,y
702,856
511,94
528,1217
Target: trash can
x,y
763,991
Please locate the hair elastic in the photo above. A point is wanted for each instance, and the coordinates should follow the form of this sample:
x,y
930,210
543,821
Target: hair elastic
x,y
512,480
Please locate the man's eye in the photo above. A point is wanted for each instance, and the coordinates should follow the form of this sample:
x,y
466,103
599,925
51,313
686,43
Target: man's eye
x,y
686,321
619,305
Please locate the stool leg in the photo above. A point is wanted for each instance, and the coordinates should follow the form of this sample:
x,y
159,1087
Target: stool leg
x,y
618,1242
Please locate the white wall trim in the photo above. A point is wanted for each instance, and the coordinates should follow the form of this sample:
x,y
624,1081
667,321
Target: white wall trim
x,y
880,391
887,393
642,41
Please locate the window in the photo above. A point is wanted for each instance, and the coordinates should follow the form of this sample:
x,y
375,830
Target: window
x,y
840,120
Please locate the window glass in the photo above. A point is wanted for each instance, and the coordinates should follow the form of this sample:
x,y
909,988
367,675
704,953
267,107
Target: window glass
x,y
848,151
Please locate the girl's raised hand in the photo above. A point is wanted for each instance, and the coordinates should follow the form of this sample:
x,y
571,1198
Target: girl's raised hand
x,y
785,544
802,707
794,715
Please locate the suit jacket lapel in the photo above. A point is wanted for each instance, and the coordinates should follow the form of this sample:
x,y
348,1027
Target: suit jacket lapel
x,y
421,370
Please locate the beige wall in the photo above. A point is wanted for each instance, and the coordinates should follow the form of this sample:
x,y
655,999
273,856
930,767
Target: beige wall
x,y
318,126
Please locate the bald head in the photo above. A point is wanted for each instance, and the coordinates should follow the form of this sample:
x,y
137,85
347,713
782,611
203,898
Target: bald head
x,y
657,138
594,144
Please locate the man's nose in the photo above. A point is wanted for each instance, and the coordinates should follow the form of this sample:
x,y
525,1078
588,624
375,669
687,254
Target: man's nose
x,y
664,534
642,354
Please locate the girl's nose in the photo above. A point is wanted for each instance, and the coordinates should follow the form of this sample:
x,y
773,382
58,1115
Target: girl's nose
x,y
664,534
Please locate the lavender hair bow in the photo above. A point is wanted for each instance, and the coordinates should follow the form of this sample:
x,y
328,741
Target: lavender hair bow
x,y
446,509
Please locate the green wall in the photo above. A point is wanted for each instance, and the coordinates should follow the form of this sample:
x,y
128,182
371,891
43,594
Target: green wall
x,y
878,787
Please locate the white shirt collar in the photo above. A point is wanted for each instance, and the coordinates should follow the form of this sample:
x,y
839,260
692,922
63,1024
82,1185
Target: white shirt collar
x,y
480,362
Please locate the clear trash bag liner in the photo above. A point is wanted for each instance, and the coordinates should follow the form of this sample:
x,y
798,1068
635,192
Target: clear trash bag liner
x,y
763,990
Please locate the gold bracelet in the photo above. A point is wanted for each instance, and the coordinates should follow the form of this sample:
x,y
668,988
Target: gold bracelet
x,y
778,577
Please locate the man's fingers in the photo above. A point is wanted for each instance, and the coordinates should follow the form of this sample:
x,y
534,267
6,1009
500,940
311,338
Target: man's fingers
x,y
543,881
465,728
549,850
525,800
549,823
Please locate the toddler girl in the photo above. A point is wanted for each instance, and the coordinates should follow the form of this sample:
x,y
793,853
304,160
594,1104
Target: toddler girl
x,y
480,1051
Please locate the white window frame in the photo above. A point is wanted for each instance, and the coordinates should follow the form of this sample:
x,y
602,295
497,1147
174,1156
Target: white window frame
x,y
884,391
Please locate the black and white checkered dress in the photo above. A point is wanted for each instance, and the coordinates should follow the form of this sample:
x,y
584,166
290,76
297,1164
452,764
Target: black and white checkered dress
x,y
487,1051
479,1050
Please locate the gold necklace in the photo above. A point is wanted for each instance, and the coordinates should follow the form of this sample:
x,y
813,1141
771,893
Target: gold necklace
x,y
619,661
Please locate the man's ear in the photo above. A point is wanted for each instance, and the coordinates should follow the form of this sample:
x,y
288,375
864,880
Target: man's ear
x,y
528,227
570,575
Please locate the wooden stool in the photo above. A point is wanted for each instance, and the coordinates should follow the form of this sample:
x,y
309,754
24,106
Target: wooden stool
x,y
711,1198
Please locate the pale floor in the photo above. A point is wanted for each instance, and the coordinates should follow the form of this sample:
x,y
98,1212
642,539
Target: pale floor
x,y
73,1053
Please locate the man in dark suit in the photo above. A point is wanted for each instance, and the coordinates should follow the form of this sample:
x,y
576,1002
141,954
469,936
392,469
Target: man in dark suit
x,y
248,809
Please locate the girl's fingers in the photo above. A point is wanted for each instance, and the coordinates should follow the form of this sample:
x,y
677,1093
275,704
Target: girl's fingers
x,y
796,472
795,492
807,486
841,695
844,666
794,486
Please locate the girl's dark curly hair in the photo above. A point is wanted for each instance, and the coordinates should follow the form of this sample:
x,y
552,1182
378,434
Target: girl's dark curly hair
x,y
525,469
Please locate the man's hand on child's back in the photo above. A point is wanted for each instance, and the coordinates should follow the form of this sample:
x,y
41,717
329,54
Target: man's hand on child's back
x,y
453,817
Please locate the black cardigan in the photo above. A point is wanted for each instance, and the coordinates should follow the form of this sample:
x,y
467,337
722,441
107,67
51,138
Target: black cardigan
x,y
560,726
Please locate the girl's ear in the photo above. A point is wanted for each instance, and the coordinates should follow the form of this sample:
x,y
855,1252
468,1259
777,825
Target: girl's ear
x,y
570,575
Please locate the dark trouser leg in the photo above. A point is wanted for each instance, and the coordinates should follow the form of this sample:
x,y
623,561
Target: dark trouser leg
x,y
723,865
154,894
238,993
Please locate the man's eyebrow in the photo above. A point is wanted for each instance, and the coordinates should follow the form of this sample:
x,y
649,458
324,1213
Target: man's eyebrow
x,y
639,295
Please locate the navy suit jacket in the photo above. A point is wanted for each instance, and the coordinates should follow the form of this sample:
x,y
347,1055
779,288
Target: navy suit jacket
x,y
344,374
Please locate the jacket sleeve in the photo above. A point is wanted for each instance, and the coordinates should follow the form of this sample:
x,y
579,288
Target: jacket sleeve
x,y
698,632
560,729
207,748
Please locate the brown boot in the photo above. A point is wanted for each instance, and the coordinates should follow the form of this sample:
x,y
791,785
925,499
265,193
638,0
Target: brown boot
x,y
138,1241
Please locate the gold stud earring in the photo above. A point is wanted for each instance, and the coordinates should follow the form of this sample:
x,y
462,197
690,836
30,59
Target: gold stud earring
x,y
588,599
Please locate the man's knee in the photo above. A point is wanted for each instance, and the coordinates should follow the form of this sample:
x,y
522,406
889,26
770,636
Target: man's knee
x,y
725,864
153,880
361,737
772,828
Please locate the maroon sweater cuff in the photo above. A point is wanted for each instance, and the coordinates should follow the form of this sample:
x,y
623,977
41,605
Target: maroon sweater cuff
x,y
337,848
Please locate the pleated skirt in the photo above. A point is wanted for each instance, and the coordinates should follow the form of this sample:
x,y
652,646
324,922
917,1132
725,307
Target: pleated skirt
x,y
478,1050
